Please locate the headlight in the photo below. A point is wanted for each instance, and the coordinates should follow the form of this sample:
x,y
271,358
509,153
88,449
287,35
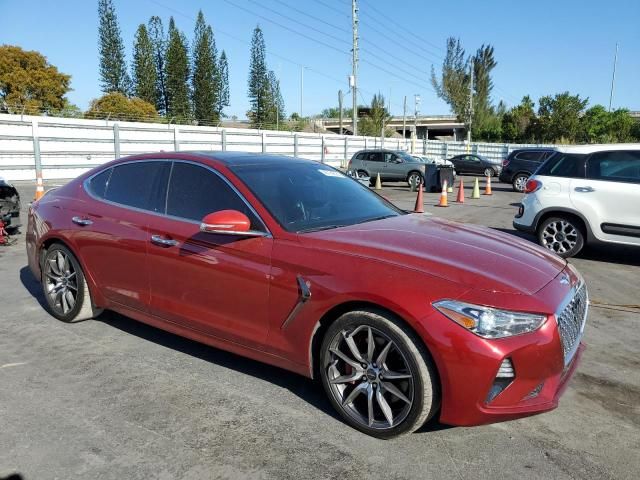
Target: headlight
x,y
489,322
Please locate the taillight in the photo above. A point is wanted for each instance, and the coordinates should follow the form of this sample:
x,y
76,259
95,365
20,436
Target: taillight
x,y
349,165
505,162
532,186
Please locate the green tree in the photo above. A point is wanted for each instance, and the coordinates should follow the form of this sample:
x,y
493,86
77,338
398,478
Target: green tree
x,y
486,119
517,122
377,118
28,80
559,118
159,42
116,106
622,126
596,125
223,87
259,91
144,68
275,102
113,68
453,86
177,64
205,79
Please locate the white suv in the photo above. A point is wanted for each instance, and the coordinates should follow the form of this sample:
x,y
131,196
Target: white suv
x,y
582,194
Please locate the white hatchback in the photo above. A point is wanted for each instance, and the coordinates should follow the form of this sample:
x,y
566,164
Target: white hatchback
x,y
584,194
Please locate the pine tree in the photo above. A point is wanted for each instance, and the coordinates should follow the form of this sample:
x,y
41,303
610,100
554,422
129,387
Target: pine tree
x,y
159,42
144,69
113,69
275,102
259,91
205,81
177,64
223,87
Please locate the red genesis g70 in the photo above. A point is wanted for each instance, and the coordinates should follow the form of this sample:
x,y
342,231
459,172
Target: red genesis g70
x,y
287,261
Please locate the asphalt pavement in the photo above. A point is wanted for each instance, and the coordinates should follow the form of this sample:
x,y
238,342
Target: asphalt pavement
x,y
112,398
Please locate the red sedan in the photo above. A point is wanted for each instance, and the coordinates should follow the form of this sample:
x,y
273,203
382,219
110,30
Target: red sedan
x,y
290,262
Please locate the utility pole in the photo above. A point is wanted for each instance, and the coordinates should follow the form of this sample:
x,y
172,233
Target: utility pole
x,y
613,79
470,105
301,87
340,98
404,118
416,102
354,65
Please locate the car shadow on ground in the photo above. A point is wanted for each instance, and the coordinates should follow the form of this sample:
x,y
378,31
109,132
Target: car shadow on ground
x,y
309,390
610,253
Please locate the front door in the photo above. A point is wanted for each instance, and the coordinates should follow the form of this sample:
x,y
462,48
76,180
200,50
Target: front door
x,y
214,283
610,194
394,167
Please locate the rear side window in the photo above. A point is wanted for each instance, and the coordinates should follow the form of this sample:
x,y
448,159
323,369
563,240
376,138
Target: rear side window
x,y
531,156
569,165
139,185
98,184
620,166
195,192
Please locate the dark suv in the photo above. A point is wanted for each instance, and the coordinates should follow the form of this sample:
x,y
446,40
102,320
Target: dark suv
x,y
520,165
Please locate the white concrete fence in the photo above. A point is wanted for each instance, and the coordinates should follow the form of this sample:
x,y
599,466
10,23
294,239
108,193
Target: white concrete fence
x,y
67,147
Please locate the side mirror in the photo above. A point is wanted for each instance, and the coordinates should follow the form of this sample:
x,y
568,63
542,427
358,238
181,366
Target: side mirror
x,y
228,222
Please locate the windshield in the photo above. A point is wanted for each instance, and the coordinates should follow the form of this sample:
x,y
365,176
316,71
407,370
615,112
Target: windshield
x,y
305,197
406,157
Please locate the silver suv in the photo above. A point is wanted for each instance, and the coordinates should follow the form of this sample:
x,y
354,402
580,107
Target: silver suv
x,y
392,165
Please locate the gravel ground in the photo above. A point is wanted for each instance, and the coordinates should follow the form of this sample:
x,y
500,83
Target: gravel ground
x,y
112,398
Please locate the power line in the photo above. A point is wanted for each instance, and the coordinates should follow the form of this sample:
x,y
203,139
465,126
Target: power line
x,y
331,7
344,30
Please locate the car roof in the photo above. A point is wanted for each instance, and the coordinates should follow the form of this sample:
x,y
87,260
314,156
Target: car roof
x,y
534,149
245,158
598,148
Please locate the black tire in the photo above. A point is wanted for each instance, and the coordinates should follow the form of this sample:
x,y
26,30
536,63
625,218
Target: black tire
x,y
569,236
58,278
406,359
519,182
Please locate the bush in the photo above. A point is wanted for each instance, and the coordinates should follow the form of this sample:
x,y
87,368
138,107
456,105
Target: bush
x,y
117,106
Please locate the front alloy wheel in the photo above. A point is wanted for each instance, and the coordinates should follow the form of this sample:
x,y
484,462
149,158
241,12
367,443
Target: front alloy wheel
x,y
489,172
377,375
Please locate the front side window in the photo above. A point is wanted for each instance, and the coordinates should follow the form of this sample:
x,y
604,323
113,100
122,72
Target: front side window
x,y
388,157
620,166
569,165
374,157
196,191
305,196
139,184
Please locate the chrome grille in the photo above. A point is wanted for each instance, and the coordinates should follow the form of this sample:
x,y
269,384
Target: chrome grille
x,y
571,320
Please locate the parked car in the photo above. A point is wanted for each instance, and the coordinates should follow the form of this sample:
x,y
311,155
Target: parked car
x,y
292,263
476,164
392,165
433,160
521,163
584,194
9,206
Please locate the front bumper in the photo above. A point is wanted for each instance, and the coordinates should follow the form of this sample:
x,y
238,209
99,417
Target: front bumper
x,y
469,364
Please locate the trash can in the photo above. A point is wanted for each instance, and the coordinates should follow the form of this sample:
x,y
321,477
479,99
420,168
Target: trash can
x,y
431,178
445,172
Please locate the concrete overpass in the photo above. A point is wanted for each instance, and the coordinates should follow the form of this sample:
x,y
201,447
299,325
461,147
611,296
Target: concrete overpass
x,y
432,127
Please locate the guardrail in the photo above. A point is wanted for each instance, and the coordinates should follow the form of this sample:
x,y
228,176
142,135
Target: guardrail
x,y
66,147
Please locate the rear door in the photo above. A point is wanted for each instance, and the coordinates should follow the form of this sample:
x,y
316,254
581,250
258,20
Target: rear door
x,y
375,163
610,195
111,228
212,283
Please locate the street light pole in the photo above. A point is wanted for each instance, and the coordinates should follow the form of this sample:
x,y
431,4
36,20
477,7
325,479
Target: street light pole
x,y
354,65
613,79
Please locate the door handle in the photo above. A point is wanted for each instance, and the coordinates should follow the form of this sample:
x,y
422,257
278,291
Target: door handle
x,y
163,242
585,189
83,222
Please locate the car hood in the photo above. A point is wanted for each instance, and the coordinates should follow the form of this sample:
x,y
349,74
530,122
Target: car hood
x,y
472,255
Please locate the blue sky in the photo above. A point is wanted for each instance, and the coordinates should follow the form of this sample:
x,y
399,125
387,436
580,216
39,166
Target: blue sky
x,y
542,47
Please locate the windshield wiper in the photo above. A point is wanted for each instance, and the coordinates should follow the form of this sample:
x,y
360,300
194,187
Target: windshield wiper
x,y
382,217
325,227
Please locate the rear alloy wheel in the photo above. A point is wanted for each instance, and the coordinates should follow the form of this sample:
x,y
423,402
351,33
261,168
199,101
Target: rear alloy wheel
x,y
65,288
520,182
414,177
561,235
377,374
489,172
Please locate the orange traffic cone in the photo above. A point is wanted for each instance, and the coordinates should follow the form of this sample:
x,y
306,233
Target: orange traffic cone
x,y
443,196
39,187
419,208
487,188
460,198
